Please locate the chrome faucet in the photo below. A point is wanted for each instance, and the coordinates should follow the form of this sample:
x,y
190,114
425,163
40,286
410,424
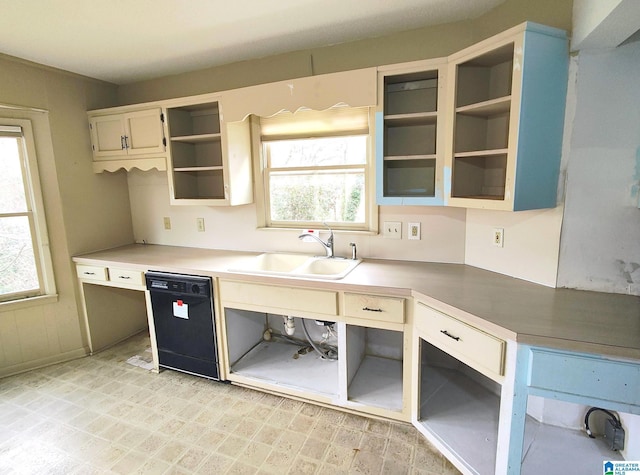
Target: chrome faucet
x,y
328,246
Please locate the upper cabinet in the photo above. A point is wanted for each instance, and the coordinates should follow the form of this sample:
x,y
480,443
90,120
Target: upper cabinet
x,y
128,139
410,133
209,159
506,105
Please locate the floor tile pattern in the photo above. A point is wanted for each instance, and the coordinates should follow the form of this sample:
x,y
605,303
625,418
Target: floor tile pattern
x,y
100,415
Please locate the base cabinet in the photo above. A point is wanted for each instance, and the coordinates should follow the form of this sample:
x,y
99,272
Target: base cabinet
x,y
300,342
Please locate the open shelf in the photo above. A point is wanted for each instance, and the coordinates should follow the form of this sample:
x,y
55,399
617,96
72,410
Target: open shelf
x,y
487,108
196,152
410,176
278,363
566,450
463,415
374,367
479,175
408,162
197,138
273,362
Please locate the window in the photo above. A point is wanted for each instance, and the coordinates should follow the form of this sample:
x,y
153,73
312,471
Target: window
x,y
316,169
25,263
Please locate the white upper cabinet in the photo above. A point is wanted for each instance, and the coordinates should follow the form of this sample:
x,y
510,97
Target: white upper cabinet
x,y
506,104
410,133
128,136
209,159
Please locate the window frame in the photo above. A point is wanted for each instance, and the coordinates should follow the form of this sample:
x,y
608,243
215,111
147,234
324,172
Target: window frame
x,y
263,206
35,213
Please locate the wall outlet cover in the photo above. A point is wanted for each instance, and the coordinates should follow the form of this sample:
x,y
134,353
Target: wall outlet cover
x,y
200,224
413,231
167,222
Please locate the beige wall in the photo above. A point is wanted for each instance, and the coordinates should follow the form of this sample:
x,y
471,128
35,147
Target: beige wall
x,y
423,43
87,211
449,234
83,211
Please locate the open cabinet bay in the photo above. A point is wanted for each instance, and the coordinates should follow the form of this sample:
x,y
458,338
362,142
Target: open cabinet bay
x,y
325,361
461,411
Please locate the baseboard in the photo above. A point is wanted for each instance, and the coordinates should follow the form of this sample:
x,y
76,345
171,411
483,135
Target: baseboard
x,y
42,362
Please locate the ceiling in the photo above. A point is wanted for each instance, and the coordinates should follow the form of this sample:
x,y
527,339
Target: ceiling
x,y
123,41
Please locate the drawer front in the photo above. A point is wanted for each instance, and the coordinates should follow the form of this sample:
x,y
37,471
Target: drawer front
x,y
586,376
287,298
373,307
92,272
126,276
469,344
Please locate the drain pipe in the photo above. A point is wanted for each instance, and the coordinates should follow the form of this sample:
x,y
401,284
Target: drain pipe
x,y
289,325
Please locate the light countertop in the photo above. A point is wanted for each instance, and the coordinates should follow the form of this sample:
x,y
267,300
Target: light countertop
x,y
592,322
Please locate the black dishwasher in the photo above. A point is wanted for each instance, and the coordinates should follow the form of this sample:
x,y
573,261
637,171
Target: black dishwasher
x,y
182,308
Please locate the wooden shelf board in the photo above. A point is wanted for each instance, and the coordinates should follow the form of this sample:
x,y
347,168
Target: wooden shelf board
x,y
488,108
197,169
481,153
417,118
463,415
480,197
391,158
273,363
378,383
197,138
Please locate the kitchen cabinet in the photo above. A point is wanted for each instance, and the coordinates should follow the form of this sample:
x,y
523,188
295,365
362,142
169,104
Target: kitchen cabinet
x,y
113,302
371,343
209,159
505,99
473,390
128,139
410,133
463,376
572,377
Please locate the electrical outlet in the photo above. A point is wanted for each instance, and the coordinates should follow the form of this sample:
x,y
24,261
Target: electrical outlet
x,y
167,222
200,224
413,231
498,237
392,230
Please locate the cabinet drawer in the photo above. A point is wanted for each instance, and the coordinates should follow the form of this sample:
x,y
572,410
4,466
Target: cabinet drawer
x,y
286,298
587,376
373,307
126,276
92,272
469,344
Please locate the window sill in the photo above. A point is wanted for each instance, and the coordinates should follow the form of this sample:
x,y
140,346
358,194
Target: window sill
x,y
28,302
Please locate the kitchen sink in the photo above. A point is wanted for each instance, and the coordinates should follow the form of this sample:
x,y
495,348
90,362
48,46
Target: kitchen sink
x,y
297,265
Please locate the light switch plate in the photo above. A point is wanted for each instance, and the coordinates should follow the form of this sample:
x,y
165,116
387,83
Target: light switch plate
x,y
392,230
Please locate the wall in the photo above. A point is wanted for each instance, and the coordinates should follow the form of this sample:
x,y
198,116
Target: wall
x,y
83,211
600,234
444,229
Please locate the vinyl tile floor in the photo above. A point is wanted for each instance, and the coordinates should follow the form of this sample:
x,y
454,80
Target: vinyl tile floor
x,y
100,414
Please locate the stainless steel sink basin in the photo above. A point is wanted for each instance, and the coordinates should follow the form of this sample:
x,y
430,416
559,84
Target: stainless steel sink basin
x,y
297,265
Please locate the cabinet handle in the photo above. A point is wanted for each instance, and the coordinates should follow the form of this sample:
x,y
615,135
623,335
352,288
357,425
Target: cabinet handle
x,y
456,338
126,141
89,273
367,309
122,146
123,277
